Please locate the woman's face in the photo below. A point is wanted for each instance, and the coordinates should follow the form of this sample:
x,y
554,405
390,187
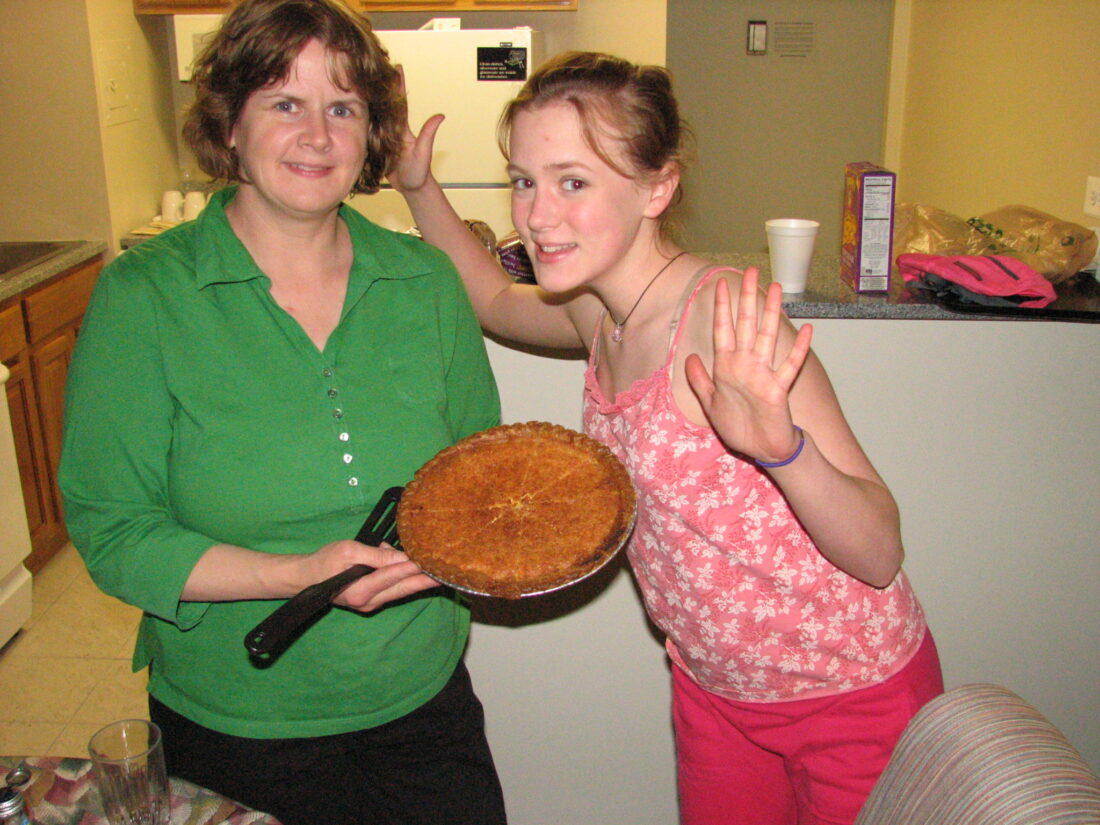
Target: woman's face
x,y
577,216
301,141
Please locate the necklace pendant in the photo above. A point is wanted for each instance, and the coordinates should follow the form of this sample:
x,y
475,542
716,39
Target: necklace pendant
x,y
617,334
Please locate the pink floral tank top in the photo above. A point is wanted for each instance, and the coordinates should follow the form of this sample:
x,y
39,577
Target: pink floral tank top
x,y
751,609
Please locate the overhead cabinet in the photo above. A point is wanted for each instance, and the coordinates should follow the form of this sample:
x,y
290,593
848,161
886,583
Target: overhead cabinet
x,y
214,6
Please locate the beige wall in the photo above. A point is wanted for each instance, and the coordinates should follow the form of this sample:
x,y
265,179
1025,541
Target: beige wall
x,y
774,133
69,170
996,102
52,165
139,146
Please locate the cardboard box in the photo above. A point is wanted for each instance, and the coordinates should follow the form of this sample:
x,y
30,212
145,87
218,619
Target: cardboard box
x,y
867,239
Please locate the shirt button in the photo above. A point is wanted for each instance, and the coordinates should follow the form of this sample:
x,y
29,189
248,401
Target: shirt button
x,y
353,482
338,413
344,437
332,392
347,458
327,372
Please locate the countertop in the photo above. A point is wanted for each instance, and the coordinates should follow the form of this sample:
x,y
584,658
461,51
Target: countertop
x,y
69,255
827,296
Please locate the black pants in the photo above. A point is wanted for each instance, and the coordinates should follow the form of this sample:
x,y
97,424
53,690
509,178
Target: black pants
x,y
432,766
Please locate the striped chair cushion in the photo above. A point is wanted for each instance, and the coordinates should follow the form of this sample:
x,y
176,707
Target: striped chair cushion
x,y
981,755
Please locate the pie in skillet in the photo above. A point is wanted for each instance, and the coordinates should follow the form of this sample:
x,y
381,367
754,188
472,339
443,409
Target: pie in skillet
x,y
516,510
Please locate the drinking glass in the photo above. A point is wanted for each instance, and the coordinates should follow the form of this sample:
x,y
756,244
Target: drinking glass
x,y
128,764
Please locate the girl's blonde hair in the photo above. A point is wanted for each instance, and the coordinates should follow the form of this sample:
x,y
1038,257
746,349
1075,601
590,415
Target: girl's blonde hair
x,y
615,100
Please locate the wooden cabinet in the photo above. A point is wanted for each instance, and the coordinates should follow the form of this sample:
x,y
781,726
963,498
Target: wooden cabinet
x,y
468,5
215,6
180,6
38,332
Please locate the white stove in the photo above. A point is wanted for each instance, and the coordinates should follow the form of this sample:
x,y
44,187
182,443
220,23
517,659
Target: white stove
x,y
15,539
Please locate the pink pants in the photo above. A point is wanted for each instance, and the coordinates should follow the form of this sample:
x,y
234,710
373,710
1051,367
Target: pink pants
x,y
803,762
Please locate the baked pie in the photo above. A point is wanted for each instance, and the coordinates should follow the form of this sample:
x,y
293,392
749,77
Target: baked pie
x,y
517,510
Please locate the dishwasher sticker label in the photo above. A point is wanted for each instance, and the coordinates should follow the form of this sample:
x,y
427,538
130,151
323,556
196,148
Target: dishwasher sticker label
x,y
501,63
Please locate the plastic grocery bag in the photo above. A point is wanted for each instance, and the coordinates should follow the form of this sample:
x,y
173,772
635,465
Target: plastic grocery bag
x,y
1057,249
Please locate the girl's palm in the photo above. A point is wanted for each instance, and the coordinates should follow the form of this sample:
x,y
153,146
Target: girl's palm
x,y
746,399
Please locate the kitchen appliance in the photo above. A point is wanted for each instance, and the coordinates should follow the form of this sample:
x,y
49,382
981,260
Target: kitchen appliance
x,y
466,74
15,539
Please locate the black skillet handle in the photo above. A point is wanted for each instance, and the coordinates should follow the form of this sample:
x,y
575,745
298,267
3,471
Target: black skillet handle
x,y
280,628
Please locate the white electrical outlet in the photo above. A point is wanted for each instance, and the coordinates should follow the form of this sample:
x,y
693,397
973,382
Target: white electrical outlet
x,y
1092,196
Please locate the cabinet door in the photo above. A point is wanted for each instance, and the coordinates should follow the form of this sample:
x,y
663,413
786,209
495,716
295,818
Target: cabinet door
x,y
12,337
468,5
527,5
30,456
50,363
180,6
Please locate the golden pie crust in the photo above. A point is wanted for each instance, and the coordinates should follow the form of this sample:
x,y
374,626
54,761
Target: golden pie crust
x,y
517,510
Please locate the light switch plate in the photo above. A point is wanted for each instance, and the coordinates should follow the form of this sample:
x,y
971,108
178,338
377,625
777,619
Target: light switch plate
x,y
114,70
756,42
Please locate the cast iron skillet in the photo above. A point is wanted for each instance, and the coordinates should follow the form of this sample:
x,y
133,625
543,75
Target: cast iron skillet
x,y
275,633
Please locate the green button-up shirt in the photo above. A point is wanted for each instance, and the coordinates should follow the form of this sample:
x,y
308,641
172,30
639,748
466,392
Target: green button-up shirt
x,y
199,412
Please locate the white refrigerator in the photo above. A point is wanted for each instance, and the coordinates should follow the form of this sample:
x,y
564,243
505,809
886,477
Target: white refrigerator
x,y
467,75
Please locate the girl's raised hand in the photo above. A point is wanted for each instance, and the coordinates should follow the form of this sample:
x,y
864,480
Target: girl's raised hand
x,y
747,398
411,169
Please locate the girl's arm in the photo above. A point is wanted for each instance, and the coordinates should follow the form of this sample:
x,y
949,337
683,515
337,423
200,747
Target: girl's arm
x,y
754,395
518,312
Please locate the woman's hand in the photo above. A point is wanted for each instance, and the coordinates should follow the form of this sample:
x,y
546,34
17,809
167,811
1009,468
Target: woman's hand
x,y
394,577
747,398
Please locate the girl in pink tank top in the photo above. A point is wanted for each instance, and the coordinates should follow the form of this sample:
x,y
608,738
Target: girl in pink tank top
x,y
766,547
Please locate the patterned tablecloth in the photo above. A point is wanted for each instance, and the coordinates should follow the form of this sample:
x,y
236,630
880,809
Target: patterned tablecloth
x,y
61,792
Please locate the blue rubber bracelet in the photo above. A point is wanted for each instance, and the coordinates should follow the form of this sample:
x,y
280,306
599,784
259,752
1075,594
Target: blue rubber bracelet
x,y
797,452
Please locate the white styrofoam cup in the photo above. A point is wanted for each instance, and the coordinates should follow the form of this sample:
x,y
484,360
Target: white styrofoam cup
x,y
790,249
171,206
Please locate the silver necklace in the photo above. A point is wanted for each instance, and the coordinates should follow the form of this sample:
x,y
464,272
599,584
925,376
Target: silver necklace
x,y
617,332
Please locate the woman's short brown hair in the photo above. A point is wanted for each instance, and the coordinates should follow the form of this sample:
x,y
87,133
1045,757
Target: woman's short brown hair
x,y
256,46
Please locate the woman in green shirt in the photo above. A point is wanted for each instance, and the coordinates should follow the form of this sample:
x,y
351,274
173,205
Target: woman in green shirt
x,y
245,387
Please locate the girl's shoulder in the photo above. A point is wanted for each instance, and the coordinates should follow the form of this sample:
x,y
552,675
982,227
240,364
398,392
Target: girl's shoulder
x,y
696,307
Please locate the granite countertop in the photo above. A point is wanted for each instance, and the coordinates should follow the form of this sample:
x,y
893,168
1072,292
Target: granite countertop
x,y
827,296
68,255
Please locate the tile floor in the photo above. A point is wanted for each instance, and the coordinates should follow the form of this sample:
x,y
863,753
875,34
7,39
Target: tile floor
x,y
67,672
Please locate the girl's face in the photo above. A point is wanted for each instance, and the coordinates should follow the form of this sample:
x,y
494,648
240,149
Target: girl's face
x,y
577,216
301,141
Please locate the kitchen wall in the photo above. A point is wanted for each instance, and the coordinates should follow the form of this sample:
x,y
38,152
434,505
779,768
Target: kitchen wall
x,y
774,131
53,175
138,134
995,102
81,161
